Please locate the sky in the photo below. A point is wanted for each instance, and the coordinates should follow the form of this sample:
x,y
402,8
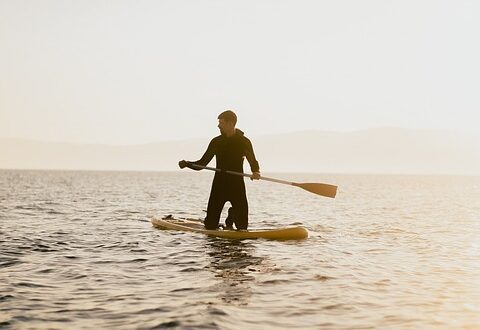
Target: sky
x,y
132,72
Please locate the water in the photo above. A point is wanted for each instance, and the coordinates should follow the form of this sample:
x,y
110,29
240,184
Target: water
x,y
392,252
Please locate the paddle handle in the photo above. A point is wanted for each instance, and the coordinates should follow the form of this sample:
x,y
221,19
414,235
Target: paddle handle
x,y
241,174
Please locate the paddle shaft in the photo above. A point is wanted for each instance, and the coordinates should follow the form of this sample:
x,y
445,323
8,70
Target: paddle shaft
x,y
241,174
321,189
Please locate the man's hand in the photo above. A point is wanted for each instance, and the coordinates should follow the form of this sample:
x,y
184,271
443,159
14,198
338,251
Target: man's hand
x,y
255,176
182,164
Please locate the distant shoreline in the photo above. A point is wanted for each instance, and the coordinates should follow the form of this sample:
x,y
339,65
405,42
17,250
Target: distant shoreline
x,y
389,151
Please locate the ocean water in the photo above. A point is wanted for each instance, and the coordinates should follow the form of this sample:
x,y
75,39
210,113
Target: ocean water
x,y
77,251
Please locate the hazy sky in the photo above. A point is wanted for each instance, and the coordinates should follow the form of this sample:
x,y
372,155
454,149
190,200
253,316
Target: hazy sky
x,y
122,72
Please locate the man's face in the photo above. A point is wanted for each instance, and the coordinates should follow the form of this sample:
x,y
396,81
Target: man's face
x,y
224,126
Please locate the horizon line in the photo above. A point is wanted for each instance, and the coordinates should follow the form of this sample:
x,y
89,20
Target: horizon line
x,y
268,172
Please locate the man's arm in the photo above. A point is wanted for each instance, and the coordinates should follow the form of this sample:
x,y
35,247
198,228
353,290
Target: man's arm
x,y
252,160
206,158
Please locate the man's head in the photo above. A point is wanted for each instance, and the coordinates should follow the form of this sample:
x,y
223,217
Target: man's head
x,y
226,122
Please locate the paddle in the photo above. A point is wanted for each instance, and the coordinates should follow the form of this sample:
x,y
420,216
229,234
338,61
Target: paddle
x,y
321,189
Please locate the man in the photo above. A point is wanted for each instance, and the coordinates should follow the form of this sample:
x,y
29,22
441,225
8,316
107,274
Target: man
x,y
230,148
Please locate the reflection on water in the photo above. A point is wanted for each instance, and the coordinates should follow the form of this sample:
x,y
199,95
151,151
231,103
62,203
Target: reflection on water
x,y
233,262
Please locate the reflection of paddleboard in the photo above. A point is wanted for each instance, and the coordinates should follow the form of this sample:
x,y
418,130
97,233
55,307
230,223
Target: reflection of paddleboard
x,y
286,233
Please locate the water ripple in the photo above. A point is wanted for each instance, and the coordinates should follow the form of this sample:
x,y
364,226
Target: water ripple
x,y
77,251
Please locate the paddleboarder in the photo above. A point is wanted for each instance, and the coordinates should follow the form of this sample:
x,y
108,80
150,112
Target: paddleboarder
x,y
230,148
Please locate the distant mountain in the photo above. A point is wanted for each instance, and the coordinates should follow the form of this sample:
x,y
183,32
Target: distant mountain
x,y
382,150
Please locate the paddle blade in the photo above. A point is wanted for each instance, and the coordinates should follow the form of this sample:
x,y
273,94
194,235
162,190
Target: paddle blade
x,y
321,189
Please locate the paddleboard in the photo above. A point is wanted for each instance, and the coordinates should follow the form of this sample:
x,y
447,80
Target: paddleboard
x,y
191,225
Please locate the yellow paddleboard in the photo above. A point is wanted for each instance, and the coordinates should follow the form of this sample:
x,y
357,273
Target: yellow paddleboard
x,y
287,233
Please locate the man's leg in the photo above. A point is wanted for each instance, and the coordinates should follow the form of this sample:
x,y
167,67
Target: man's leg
x,y
230,218
240,205
214,209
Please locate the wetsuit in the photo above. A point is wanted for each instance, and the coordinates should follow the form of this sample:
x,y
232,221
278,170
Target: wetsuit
x,y
229,152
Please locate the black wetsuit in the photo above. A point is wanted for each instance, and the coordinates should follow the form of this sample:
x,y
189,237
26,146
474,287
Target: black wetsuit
x,y
229,152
